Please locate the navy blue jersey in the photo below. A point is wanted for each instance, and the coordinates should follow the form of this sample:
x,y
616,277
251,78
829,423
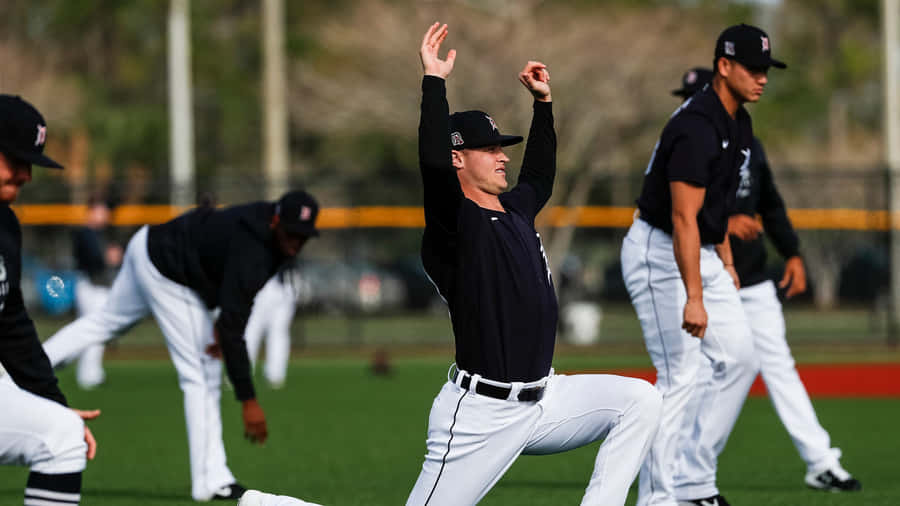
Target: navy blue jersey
x,y
21,352
489,266
757,194
704,146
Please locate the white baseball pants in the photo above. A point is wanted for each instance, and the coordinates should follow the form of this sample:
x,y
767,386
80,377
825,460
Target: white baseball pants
x,y
658,295
273,312
474,439
138,290
90,297
787,392
39,433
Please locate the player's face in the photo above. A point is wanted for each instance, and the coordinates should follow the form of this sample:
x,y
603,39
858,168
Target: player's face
x,y
483,169
289,244
747,83
13,174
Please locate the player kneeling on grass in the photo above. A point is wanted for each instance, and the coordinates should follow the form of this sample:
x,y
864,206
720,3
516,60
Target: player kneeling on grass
x,y
36,427
179,272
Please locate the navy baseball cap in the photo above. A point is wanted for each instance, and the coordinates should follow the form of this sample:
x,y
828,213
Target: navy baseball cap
x,y
23,132
693,81
475,129
297,212
747,45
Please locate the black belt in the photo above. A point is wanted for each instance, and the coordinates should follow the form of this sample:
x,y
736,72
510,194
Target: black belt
x,y
529,394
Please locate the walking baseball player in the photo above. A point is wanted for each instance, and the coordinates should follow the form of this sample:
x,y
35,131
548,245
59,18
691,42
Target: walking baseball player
x,y
36,427
679,270
179,271
273,312
94,259
757,194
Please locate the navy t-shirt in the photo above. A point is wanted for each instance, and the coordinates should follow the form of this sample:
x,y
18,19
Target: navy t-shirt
x,y
490,265
704,146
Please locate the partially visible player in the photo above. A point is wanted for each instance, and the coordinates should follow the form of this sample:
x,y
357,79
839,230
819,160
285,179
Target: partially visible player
x,y
180,271
36,427
758,195
95,258
679,270
273,312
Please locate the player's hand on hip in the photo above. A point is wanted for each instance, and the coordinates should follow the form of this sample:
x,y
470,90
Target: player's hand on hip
x,y
88,436
744,227
254,422
794,277
431,44
695,319
536,77
214,350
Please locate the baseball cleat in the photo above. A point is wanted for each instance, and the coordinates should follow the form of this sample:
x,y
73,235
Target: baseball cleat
x,y
716,500
835,480
229,492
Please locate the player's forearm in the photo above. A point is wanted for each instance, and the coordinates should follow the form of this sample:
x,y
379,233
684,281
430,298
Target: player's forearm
x,y
539,163
686,246
723,249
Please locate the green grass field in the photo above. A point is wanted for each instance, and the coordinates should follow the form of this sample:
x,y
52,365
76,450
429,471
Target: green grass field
x,y
340,436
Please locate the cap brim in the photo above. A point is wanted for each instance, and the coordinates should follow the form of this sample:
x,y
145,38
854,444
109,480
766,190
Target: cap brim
x,y
681,92
778,64
301,231
40,160
509,140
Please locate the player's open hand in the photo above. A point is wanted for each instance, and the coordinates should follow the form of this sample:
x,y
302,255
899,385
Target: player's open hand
x,y
431,44
744,227
254,422
695,319
536,77
88,436
794,277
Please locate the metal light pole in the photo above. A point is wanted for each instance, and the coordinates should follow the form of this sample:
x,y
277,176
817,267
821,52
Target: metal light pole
x,y
181,117
890,15
276,156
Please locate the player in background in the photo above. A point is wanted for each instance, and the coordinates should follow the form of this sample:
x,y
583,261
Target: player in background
x,y
36,427
678,267
758,195
272,315
180,271
95,259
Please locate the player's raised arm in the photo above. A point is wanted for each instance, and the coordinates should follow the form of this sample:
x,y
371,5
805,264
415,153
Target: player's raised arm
x,y
441,186
539,164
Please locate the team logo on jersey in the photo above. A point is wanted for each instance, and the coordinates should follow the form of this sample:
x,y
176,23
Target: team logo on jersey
x,y
305,213
765,43
456,139
746,182
724,143
493,124
41,135
729,48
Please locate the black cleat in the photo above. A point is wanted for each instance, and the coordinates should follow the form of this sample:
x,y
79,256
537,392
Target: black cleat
x,y
716,500
229,492
827,480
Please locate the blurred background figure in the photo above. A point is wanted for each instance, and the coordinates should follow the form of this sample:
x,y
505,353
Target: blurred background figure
x,y
96,260
273,312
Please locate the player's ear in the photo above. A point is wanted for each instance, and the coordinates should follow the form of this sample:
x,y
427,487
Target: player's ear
x,y
723,66
457,159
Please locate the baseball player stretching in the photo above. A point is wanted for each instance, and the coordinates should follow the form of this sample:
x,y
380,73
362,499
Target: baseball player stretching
x,y
93,260
679,271
757,194
36,427
179,271
480,248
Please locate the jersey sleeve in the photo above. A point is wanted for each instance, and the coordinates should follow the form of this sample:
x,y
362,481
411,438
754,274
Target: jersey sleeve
x,y
246,271
538,166
772,209
694,148
442,192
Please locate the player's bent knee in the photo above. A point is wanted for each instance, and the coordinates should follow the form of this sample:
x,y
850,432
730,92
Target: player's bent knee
x,y
66,450
648,401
